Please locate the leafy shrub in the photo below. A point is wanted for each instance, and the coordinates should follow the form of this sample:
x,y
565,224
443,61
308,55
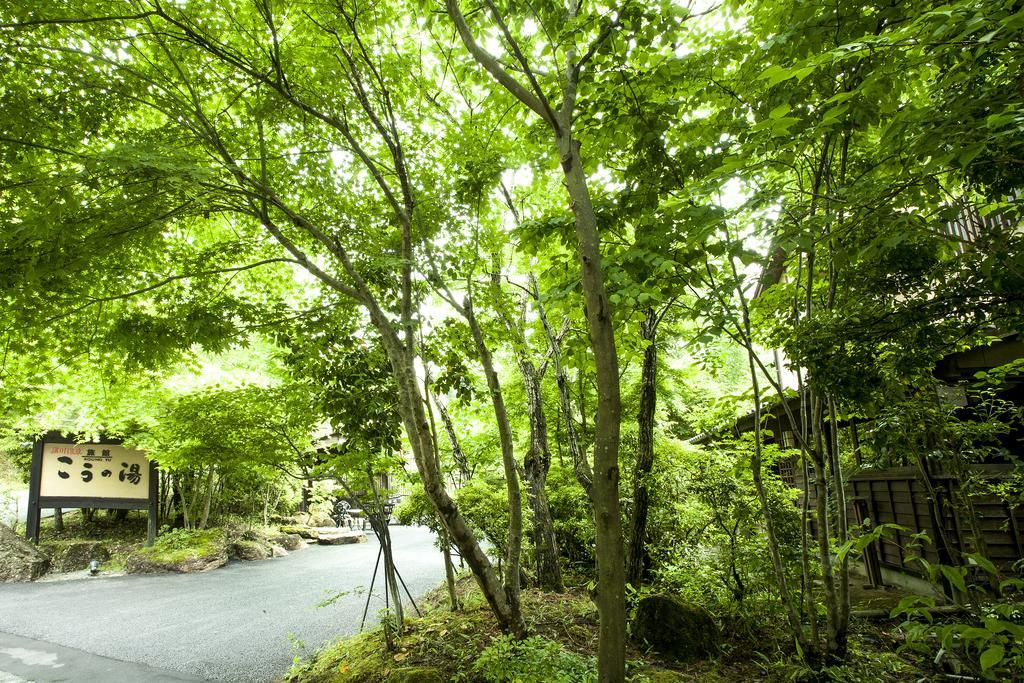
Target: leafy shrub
x,y
534,660
571,516
416,509
484,504
988,644
707,541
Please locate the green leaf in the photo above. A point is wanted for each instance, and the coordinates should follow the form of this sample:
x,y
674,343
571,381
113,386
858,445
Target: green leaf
x,y
955,576
991,656
982,562
775,74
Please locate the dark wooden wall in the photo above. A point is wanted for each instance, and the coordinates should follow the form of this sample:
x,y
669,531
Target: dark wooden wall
x,y
899,495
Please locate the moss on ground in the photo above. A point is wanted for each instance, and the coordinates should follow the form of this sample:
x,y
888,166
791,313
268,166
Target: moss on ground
x,y
120,538
125,538
181,546
449,643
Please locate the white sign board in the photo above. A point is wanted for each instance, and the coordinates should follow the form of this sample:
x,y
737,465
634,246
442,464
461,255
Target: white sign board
x,y
93,470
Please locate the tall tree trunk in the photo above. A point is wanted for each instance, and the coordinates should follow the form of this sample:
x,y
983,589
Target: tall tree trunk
x,y
611,570
307,489
635,551
180,487
58,519
785,595
821,494
537,461
839,491
796,629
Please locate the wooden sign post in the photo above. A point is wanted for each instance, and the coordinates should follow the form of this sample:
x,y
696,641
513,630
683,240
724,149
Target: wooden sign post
x,y
103,474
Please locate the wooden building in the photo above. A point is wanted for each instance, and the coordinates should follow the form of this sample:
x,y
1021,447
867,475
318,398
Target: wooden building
x,y
920,499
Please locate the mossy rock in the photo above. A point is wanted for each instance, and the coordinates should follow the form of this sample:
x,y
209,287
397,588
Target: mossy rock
x,y
19,559
198,551
244,549
300,530
72,556
288,541
417,674
674,628
663,676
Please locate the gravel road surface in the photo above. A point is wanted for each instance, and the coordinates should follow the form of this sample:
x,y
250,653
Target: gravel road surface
x,y
242,622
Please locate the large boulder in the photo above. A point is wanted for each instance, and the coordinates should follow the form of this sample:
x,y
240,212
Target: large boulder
x,y
300,530
19,559
320,519
417,674
73,556
288,541
244,549
340,537
674,628
197,552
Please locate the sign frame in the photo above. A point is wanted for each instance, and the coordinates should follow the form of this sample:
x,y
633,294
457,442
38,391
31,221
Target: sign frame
x,y
36,502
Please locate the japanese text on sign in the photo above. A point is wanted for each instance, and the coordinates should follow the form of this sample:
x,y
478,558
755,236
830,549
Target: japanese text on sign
x,y
93,470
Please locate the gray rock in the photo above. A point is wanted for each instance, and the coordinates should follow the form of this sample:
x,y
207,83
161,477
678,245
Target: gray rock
x,y
19,559
277,551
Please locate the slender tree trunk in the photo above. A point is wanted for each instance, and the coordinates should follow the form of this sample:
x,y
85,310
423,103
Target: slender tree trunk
x,y
821,495
307,488
839,490
537,461
449,567
417,427
207,499
461,461
446,542
266,506
796,629
184,505
58,519
515,501
580,466
805,506
635,550
535,469
611,570
785,596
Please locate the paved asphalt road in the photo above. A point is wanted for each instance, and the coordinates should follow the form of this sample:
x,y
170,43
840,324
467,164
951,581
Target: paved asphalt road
x,y
236,623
